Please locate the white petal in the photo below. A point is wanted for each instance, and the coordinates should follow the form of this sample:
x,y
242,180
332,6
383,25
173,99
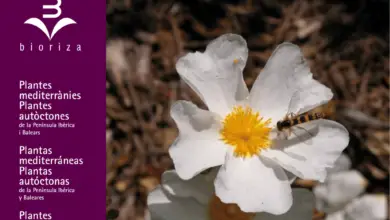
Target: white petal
x,y
368,207
302,208
320,193
214,75
343,163
291,177
340,215
344,186
317,147
165,207
322,204
198,146
254,184
228,48
200,187
287,78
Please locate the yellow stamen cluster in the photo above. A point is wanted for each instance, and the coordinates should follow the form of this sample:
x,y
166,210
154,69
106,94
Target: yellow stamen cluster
x,y
246,131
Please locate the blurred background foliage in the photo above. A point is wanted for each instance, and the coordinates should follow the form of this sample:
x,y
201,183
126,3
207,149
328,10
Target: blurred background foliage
x,y
345,42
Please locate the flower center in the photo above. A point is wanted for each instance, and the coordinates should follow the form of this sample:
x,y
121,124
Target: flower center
x,y
221,211
246,132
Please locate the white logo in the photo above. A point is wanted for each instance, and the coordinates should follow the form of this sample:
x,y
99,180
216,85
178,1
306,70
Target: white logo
x,y
58,26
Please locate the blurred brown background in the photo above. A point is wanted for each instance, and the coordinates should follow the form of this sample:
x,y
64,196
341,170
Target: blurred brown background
x,y
345,42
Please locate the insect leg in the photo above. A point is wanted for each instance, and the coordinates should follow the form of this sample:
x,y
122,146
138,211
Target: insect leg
x,y
289,132
281,135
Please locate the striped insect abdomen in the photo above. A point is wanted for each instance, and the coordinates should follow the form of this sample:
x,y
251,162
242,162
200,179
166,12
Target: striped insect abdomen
x,y
294,121
318,115
303,118
306,118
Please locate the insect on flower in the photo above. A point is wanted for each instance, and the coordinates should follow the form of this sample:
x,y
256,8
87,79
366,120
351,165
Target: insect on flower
x,y
293,120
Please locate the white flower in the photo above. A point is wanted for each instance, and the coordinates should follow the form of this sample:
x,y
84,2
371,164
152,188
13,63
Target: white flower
x,y
343,163
367,207
177,199
237,131
338,190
